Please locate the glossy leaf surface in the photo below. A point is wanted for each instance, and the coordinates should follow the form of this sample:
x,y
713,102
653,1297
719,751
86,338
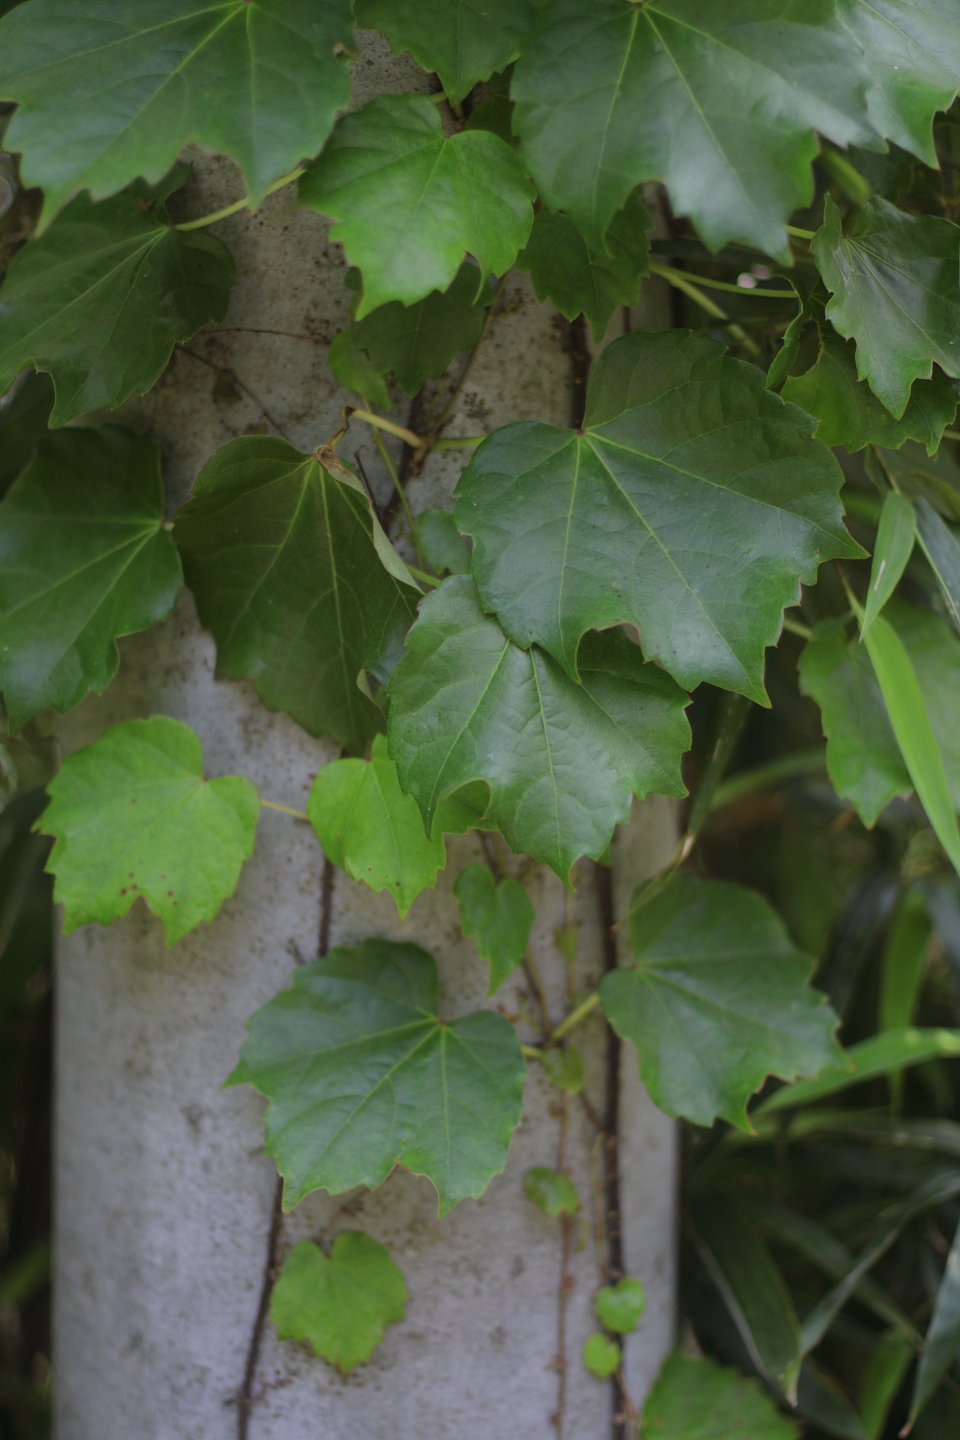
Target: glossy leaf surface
x,y
280,553
84,558
717,1000
340,1303
362,1074
409,203
133,816
561,760
642,518
697,1400
498,915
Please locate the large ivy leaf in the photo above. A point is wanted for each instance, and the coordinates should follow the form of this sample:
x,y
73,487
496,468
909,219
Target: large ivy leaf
x,y
362,1074
462,40
697,1400
134,816
912,48
84,558
719,101
717,1000
340,1303
24,413
579,279
101,298
642,517
561,759
113,89
895,280
281,554
498,915
410,203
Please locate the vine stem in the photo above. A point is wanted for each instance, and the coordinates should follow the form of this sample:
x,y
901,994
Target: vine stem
x,y
471,358
679,281
566,1279
379,422
800,234
668,273
240,204
284,809
794,627
578,1014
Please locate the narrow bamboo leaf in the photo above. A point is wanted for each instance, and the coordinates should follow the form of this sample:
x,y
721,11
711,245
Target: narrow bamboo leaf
x,y
752,1288
891,1050
641,517
361,1074
551,1191
620,1306
697,1400
410,203
717,1000
903,960
280,552
895,280
895,536
939,544
129,83
102,297
934,650
821,1400
943,1337
560,759
339,1303
133,816
24,413
497,915
444,548
84,558
883,1374
739,87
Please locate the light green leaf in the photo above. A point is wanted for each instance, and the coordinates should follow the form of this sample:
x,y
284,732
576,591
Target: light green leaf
x,y
619,1307
891,1050
561,760
497,915
133,816
717,1000
444,548
84,558
280,553
939,544
355,370
578,278
895,536
641,518
719,101
601,1355
564,1068
551,1191
410,203
888,1362
362,1074
895,280
128,83
934,651
464,41
339,1303
102,297
697,1400
24,413
943,1337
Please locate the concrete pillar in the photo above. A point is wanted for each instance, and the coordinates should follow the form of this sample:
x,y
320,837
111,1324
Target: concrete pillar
x,y
163,1195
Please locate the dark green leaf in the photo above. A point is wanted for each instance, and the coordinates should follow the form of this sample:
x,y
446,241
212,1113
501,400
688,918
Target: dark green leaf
x,y
339,1303
943,1337
934,652
497,916
903,961
362,1074
580,279
939,544
786,357
355,370
444,548
84,558
889,1051
717,1000
895,280
560,759
821,1399
697,1400
895,535
134,816
642,517
551,1191
281,554
120,88
619,1307
889,1360
601,1355
24,413
718,101
564,1068
410,203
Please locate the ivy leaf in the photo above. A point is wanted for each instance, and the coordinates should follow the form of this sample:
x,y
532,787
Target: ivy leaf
x,y
410,203
619,1307
719,101
84,558
444,548
561,760
355,370
642,516
281,554
340,1303
362,1074
912,48
119,87
551,1191
464,41
601,1355
133,816
581,279
101,298
24,413
717,1000
497,915
895,280
697,1400
851,415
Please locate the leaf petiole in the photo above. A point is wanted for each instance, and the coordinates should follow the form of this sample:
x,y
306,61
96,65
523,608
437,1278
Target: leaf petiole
x,y
679,281
380,423
285,809
240,204
577,1014
668,273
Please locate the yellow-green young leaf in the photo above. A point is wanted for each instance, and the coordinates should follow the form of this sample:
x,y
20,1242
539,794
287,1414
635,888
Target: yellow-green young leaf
x,y
84,558
497,915
697,1400
551,1191
362,1074
619,1307
601,1355
410,203
341,1303
134,817
891,1050
895,536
